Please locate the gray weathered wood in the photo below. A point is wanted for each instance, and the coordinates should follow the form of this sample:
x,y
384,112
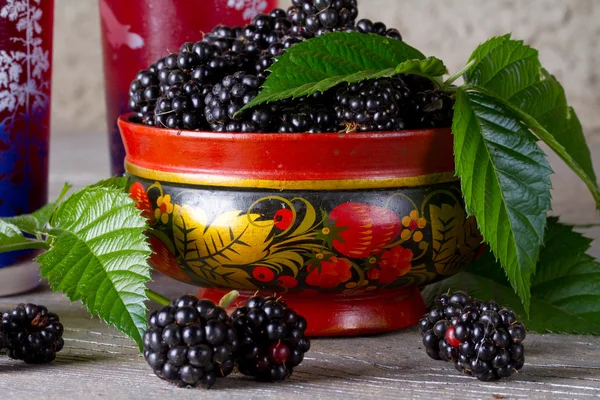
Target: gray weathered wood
x,y
97,362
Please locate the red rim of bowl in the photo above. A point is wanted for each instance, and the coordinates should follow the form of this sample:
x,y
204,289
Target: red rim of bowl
x,y
274,160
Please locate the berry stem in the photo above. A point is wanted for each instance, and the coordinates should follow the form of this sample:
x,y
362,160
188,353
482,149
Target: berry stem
x,y
458,74
159,298
28,245
229,298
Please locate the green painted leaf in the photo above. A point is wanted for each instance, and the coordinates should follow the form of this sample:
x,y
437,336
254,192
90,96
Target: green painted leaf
x,y
37,220
98,255
565,292
511,71
321,63
505,183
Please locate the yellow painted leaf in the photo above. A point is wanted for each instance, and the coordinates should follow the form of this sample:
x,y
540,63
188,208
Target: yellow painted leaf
x,y
455,238
233,238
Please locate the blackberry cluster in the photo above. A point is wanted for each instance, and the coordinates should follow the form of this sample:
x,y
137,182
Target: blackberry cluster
x,y
272,340
190,342
227,97
31,333
480,338
205,83
316,17
431,109
305,117
373,105
3,340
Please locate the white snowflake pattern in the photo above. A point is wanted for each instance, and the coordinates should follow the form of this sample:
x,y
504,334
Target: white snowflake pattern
x,y
249,8
17,91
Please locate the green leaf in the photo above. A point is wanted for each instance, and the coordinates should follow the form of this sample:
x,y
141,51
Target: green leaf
x,y
511,71
565,292
117,182
98,254
10,236
318,64
505,183
36,221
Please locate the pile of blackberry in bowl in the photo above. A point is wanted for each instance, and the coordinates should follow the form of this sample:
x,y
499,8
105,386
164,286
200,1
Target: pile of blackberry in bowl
x,y
203,85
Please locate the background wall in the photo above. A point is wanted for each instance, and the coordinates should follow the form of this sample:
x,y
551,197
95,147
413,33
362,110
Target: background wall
x,y
567,33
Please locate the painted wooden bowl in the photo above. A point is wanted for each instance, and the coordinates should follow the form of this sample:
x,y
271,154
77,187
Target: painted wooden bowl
x,y
346,227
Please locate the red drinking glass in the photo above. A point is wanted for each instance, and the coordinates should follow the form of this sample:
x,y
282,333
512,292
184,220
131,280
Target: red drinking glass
x,y
25,76
136,33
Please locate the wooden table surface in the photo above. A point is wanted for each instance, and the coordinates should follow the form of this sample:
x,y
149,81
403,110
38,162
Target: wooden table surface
x,y
97,362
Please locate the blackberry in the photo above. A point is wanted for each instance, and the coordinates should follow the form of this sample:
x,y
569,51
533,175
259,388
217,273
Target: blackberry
x,y
182,106
144,90
372,105
32,334
228,97
190,342
3,340
481,338
431,109
306,117
379,28
272,340
316,17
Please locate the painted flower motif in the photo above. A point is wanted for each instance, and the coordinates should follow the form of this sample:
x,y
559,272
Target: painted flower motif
x,y
142,202
263,274
329,273
288,282
163,260
392,264
165,208
411,223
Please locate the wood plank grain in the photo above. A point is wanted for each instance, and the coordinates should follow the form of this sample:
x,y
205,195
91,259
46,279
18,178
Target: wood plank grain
x,y
99,362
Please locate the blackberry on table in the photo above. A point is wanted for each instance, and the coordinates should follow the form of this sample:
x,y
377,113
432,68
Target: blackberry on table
x,y
190,342
32,334
481,338
271,336
3,340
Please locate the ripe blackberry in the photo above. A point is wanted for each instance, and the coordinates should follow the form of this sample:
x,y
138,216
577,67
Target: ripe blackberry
x,y
272,340
379,28
431,109
307,117
32,334
315,17
480,338
190,342
373,105
230,95
3,340
182,106
144,91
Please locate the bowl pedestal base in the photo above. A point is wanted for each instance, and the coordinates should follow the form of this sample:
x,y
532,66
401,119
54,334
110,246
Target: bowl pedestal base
x,y
344,315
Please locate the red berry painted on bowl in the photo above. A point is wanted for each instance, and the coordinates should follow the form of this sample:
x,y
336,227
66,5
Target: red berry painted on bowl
x,y
329,274
142,202
365,229
283,219
263,274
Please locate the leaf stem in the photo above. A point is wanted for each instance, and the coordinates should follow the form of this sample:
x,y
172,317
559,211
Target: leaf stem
x,y
159,298
460,73
29,245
